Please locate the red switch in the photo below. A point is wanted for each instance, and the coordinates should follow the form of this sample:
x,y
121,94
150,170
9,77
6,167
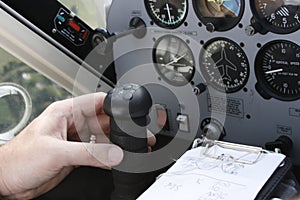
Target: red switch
x,y
75,26
85,34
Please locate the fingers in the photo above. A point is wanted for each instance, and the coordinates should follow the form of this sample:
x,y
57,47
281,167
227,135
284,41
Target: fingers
x,y
151,138
81,114
99,124
90,104
86,154
83,106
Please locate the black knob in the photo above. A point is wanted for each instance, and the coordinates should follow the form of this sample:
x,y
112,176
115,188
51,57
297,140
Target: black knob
x,y
138,26
262,92
255,27
210,27
284,143
128,107
199,89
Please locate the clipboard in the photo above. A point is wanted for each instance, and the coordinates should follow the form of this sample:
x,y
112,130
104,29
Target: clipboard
x,y
218,170
272,188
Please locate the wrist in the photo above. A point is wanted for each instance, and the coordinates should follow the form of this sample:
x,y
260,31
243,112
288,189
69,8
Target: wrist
x,y
3,186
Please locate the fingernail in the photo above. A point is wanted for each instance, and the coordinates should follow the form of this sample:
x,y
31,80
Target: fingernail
x,y
115,155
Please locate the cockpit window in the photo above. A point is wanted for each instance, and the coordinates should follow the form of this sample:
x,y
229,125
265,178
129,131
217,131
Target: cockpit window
x,y
90,11
41,90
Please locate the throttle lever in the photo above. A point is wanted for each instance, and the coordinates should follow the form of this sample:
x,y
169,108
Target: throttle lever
x,y
128,107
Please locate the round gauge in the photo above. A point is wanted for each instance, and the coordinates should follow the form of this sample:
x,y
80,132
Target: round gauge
x,y
219,15
277,68
167,13
174,60
224,65
280,16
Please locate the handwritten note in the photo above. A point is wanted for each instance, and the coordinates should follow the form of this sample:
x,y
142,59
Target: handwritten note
x,y
198,177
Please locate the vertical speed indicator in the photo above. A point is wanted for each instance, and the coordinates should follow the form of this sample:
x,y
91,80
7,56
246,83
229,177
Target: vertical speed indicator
x,y
167,13
277,68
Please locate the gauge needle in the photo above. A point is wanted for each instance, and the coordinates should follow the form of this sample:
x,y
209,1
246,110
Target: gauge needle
x,y
175,60
274,71
169,13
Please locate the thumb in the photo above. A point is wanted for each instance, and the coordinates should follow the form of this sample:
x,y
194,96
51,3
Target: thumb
x,y
87,154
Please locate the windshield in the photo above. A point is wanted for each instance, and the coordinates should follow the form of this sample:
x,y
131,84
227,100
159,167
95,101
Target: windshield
x,y
41,90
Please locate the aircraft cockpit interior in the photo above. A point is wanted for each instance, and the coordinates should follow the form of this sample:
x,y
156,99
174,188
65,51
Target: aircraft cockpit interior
x,y
216,81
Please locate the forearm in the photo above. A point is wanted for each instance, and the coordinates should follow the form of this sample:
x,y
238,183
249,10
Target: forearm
x,y
4,189
10,171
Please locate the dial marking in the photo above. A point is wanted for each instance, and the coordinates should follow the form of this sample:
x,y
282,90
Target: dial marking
x,y
284,12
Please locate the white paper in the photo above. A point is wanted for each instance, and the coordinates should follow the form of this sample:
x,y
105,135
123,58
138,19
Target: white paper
x,y
195,177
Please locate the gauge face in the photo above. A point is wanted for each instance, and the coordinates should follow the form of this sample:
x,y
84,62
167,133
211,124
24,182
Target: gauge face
x,y
280,16
224,65
174,60
219,15
277,68
167,13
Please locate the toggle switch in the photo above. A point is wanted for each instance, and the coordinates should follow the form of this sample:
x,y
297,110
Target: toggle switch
x,y
183,121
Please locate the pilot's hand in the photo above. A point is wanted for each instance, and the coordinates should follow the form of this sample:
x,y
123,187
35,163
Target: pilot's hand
x,y
40,156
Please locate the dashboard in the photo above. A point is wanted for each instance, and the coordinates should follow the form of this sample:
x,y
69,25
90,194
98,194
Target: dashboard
x,y
235,62
226,69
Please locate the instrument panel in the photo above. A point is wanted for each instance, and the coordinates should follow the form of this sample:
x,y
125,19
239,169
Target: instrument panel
x,y
226,69
239,59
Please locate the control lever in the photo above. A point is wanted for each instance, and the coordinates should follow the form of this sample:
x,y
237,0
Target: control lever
x,y
128,107
103,40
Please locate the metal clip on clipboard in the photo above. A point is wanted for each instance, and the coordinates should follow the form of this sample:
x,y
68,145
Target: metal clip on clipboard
x,y
208,143
282,183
